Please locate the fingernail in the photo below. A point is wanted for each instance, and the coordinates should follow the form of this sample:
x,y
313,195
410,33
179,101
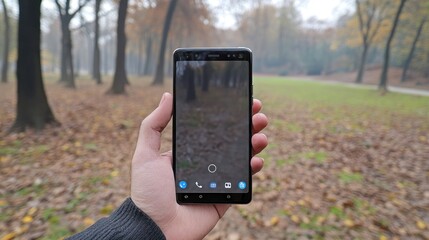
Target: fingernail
x,y
263,160
162,99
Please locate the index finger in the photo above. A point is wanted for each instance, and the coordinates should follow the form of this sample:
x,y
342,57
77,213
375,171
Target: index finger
x,y
256,106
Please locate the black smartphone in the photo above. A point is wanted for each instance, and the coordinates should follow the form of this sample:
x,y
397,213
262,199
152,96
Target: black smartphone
x,y
212,125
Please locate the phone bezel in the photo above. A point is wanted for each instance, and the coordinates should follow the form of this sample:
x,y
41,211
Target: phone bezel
x,y
214,54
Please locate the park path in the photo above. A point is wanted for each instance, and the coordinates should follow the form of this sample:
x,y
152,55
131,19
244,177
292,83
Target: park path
x,y
403,90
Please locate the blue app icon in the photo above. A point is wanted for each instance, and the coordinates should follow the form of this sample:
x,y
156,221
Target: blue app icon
x,y
183,184
242,185
213,185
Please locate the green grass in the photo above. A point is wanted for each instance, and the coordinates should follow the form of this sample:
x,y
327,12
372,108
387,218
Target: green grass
x,y
318,157
350,177
338,212
330,95
38,189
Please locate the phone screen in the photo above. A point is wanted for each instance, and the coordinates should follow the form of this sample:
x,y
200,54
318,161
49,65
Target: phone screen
x,y
212,125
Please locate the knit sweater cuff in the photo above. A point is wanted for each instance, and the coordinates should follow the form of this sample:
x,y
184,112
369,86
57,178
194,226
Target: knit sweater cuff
x,y
126,222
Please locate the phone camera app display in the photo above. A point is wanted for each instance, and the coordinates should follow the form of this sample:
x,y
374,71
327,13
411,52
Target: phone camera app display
x,y
212,124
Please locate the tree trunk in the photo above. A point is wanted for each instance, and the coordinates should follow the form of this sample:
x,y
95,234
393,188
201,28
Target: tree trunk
x,y
96,74
32,108
411,53
120,77
139,58
147,64
63,70
382,86
5,66
189,77
67,71
159,74
359,78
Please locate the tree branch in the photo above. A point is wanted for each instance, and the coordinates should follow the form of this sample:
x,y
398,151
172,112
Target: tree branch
x,y
79,8
60,8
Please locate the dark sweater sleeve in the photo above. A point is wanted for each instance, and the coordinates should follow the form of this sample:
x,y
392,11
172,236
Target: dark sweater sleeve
x,y
126,222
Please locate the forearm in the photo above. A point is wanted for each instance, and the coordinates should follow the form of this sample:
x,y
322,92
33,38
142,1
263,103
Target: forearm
x,y
126,222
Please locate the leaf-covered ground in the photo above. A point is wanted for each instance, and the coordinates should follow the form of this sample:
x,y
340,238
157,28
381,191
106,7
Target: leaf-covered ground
x,y
342,163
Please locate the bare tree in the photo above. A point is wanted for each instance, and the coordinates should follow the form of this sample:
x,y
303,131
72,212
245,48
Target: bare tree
x,y
407,61
159,74
383,79
5,66
370,16
96,74
32,109
120,77
67,71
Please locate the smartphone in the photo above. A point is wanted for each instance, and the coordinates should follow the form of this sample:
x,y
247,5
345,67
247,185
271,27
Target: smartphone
x,y
212,125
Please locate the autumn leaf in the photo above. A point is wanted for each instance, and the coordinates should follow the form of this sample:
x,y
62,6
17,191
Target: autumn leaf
x,y
32,211
114,173
107,209
421,224
9,236
88,221
348,223
274,221
27,219
295,218
382,237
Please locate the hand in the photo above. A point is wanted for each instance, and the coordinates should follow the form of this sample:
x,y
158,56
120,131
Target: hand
x,y
152,178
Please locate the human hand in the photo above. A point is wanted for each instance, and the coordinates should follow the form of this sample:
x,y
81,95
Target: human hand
x,y
152,178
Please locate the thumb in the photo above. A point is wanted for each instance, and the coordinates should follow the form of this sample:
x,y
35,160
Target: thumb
x,y
149,140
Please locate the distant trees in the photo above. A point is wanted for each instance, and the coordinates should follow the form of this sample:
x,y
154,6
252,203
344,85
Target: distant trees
x,y
407,61
32,108
413,33
120,76
370,14
5,65
159,74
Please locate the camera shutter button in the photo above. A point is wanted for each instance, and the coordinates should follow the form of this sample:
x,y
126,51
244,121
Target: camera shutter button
x,y
212,168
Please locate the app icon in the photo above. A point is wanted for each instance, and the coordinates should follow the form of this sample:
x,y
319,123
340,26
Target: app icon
x,y
242,185
227,185
198,185
213,185
183,184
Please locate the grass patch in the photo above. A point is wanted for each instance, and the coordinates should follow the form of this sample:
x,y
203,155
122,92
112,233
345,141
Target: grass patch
x,y
50,216
4,151
319,157
91,146
11,150
38,189
316,226
317,94
57,232
338,212
363,207
283,162
350,177
72,204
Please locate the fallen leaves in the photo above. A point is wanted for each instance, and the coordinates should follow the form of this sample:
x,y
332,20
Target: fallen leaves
x,y
331,172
